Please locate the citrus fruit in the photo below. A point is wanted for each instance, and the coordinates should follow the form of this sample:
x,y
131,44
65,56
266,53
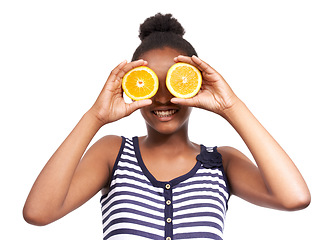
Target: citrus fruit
x,y
183,80
140,83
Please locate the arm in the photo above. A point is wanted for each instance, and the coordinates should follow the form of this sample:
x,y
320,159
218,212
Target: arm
x,y
276,182
66,181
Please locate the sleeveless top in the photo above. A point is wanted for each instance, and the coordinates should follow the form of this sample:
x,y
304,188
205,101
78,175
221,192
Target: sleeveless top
x,y
192,206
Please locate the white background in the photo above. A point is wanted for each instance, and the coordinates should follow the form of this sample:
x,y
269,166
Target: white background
x,y
56,55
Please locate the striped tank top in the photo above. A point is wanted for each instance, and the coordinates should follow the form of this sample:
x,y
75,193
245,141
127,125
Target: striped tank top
x,y
139,207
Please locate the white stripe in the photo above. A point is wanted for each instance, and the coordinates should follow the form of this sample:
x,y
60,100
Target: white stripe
x,y
198,211
130,165
213,176
201,185
143,228
141,209
127,150
140,184
203,192
135,198
139,199
129,173
194,194
129,144
192,229
125,236
125,156
197,220
128,140
196,201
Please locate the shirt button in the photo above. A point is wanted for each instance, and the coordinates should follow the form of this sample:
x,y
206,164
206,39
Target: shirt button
x,y
168,238
168,220
168,202
167,186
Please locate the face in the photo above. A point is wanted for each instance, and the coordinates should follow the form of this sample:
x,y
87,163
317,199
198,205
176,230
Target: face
x,y
163,116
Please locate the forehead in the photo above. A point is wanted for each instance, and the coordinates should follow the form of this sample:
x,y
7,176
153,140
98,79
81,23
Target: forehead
x,y
160,60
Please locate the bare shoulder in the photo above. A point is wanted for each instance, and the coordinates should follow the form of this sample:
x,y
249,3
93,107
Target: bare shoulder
x,y
113,141
243,175
106,149
232,156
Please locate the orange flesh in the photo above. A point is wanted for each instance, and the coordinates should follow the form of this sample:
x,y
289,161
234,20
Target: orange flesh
x,y
184,80
140,83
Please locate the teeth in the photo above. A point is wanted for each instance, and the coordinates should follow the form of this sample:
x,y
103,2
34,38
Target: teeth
x,y
165,113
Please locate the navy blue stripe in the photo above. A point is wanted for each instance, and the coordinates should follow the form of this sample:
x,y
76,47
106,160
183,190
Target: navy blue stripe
x,y
136,203
199,197
131,162
127,194
134,186
201,235
130,210
202,191
199,224
136,221
129,147
199,214
205,185
128,154
201,174
134,233
213,182
126,177
197,206
130,170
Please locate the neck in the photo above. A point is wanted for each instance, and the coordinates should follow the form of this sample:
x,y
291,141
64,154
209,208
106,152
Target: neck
x,y
176,139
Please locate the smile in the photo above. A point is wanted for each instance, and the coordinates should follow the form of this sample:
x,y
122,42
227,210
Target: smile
x,y
165,113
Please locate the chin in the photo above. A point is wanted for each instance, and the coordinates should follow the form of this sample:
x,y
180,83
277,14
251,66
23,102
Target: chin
x,y
166,130
166,121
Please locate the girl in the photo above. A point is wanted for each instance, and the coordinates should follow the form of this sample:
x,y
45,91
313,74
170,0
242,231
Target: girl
x,y
162,185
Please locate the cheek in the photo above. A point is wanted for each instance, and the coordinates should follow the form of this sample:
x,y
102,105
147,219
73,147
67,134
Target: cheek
x,y
186,112
145,113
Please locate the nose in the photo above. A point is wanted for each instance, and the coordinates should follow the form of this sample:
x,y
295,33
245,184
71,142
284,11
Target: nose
x,y
163,95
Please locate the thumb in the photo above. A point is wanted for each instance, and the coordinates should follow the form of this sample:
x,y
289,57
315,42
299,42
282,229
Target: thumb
x,y
191,102
138,104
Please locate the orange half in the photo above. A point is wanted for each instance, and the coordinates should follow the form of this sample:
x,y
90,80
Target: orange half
x,y
140,83
183,80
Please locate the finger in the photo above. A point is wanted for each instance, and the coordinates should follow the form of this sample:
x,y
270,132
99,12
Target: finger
x,y
191,102
203,66
186,59
116,70
138,104
195,61
130,66
119,71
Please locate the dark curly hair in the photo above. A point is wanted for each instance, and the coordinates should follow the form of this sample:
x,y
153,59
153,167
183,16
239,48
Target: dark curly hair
x,y
162,31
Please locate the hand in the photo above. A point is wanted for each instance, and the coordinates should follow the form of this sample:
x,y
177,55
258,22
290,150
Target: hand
x,y
110,105
215,94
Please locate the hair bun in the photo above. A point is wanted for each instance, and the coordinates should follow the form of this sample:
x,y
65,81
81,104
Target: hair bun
x,y
160,23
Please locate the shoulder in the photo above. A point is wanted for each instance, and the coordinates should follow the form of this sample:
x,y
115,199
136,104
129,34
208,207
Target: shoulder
x,y
233,158
111,139
107,149
243,175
